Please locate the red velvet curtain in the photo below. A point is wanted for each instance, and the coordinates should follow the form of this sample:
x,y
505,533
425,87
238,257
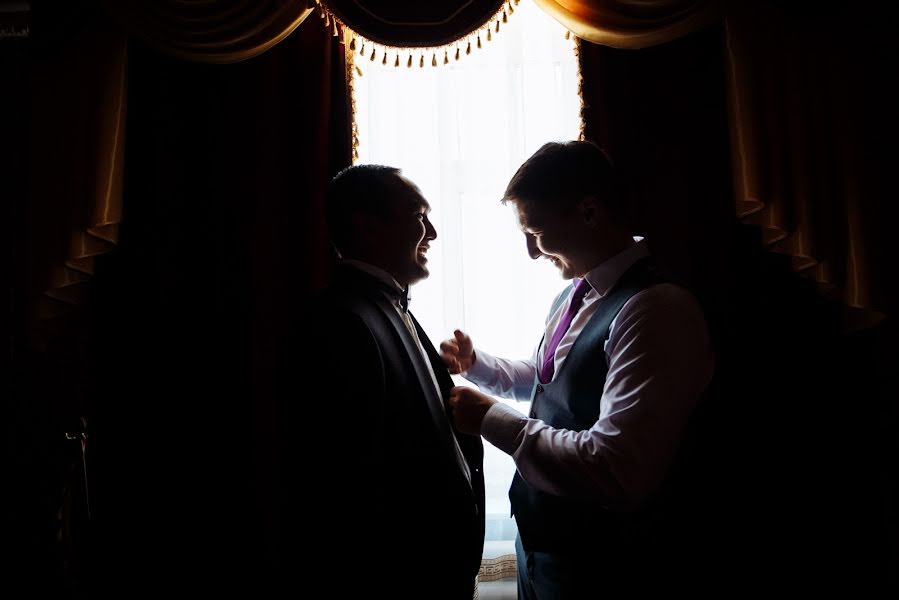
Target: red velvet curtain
x,y
810,108
784,379
222,242
661,112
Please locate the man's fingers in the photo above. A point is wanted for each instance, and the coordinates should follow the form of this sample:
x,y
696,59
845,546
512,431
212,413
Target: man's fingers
x,y
463,342
449,347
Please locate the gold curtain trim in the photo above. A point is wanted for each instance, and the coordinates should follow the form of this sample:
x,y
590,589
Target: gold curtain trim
x,y
211,31
582,128
351,88
632,24
354,43
418,56
501,567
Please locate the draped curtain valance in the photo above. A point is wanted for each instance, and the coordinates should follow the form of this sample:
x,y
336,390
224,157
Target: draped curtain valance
x,y
214,31
411,23
632,24
828,237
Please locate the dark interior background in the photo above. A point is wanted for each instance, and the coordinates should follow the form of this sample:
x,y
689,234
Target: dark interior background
x,y
171,359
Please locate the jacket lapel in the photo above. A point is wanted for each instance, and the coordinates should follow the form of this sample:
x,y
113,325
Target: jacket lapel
x,y
372,292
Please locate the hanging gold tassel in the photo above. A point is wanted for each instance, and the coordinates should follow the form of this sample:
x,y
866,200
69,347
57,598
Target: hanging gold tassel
x,y
434,60
468,49
362,49
421,62
372,57
497,26
358,70
457,52
505,17
384,60
353,45
511,10
446,57
479,41
409,62
397,62
489,35
567,35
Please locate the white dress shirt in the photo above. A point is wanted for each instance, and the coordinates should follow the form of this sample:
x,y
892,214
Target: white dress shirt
x,y
660,361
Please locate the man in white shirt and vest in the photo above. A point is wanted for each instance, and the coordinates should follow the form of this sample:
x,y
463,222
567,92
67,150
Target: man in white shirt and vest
x,y
623,362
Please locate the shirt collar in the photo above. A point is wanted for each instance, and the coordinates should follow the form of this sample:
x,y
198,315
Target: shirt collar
x,y
376,272
384,277
606,274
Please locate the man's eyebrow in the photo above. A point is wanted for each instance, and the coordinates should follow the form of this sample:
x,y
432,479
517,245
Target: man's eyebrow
x,y
529,224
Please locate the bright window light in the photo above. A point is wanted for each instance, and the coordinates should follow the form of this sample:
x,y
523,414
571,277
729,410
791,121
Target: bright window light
x,y
460,131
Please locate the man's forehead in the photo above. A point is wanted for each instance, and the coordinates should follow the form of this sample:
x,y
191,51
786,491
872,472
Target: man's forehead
x,y
527,214
412,195
416,200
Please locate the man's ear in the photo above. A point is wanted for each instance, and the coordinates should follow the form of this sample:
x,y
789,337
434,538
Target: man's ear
x,y
590,210
362,235
363,225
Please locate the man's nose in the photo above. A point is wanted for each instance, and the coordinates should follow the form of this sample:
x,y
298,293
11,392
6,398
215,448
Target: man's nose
x,y
430,231
533,250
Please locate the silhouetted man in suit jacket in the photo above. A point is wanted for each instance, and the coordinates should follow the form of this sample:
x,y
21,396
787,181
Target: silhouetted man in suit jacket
x,y
401,492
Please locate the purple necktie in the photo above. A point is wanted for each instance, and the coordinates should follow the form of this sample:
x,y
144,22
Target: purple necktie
x,y
549,353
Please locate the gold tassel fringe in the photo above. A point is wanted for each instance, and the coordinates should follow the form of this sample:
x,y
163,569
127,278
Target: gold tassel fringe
x,y
354,41
349,40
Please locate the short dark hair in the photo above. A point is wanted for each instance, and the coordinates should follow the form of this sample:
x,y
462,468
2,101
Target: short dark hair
x,y
561,174
359,188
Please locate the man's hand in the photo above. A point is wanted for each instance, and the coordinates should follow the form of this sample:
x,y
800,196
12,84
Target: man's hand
x,y
457,353
469,407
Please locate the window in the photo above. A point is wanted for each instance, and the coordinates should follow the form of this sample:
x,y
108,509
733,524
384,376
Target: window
x,y
459,131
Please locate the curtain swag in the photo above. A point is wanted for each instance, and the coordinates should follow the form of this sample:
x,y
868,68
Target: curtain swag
x,y
419,55
213,31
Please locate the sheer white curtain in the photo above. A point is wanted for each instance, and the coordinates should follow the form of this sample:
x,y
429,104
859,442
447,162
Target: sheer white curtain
x,y
460,131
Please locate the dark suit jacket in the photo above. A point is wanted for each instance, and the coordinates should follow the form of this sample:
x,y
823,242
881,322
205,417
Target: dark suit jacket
x,y
394,508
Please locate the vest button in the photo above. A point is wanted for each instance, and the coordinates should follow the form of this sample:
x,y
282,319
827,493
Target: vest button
x,y
539,388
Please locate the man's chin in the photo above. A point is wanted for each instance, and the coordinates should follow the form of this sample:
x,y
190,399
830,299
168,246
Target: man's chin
x,y
421,273
566,273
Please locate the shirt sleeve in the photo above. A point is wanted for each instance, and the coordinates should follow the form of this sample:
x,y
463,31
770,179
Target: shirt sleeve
x,y
506,378
503,377
660,361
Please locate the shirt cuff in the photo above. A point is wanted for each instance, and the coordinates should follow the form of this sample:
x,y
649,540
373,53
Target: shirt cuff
x,y
502,426
482,370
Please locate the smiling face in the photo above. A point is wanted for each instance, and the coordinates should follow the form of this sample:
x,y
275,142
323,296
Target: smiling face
x,y
558,237
570,206
399,241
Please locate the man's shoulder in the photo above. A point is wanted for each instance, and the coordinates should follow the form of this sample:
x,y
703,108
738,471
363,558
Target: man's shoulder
x,y
350,299
665,293
664,302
